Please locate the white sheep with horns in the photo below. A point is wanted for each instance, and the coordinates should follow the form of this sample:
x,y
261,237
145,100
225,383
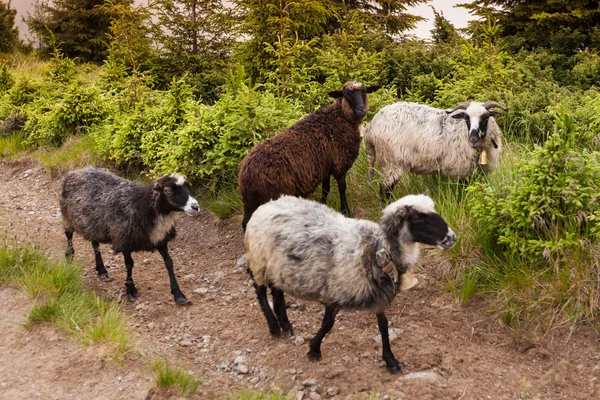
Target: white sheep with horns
x,y
411,137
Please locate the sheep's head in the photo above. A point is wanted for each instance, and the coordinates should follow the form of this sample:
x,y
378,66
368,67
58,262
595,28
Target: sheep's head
x,y
174,195
354,97
476,116
413,219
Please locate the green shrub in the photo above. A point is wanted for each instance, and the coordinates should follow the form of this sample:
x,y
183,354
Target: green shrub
x,y
7,80
546,210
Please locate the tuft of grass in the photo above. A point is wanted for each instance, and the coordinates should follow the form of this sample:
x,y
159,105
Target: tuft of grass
x,y
76,152
175,378
12,145
61,300
224,203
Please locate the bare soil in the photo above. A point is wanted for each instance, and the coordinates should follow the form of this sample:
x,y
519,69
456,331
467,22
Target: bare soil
x,y
449,351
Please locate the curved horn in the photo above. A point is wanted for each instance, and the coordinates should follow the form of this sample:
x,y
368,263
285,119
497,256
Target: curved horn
x,y
492,104
461,106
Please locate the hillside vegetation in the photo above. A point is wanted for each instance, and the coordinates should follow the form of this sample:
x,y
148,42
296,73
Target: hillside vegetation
x,y
155,104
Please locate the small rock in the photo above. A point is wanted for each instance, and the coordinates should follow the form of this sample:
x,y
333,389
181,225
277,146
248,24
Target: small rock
x,y
386,397
185,343
239,360
139,306
394,334
201,290
254,381
333,374
333,391
299,341
425,375
309,382
314,396
29,171
238,353
241,262
151,325
222,365
243,369
146,261
300,395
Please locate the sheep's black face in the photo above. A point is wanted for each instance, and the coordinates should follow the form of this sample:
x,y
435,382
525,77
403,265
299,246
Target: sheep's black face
x,y
175,193
413,219
476,116
429,228
355,94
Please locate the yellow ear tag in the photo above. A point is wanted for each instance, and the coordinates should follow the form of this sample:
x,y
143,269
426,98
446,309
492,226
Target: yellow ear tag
x,y
483,160
407,281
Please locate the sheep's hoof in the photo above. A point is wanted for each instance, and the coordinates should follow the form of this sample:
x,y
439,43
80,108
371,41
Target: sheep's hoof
x,y
133,296
275,333
104,277
395,369
182,301
314,356
288,333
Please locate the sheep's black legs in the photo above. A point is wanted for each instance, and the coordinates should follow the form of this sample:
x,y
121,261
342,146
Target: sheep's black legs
x,y
386,192
325,186
279,306
131,290
175,291
342,188
390,361
70,252
314,353
100,268
261,295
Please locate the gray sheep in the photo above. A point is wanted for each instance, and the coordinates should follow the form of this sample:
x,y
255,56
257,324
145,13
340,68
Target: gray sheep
x,y
104,208
312,252
411,137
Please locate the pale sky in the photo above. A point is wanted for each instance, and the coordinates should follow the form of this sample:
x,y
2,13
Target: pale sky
x,y
457,16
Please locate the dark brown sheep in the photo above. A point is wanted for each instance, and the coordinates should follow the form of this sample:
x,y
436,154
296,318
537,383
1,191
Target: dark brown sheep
x,y
294,162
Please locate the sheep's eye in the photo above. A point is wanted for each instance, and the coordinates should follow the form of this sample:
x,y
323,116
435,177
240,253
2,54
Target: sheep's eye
x,y
168,191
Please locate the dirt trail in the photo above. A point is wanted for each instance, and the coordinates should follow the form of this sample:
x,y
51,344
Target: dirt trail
x,y
465,353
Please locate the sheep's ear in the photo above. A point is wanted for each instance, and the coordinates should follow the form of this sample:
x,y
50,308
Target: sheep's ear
x,y
336,94
402,212
494,113
460,114
157,186
373,88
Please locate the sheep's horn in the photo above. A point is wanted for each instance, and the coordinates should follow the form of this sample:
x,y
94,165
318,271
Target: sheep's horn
x,y
461,106
492,104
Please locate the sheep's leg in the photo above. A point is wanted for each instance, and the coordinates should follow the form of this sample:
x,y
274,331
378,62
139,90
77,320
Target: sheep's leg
x,y
261,295
175,291
100,268
314,353
386,192
390,361
325,186
342,188
132,292
279,306
70,253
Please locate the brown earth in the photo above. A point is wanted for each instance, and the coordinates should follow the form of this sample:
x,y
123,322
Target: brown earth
x,y
465,352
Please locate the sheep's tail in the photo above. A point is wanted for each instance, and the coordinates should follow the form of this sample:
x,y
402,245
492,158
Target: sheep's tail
x,y
370,147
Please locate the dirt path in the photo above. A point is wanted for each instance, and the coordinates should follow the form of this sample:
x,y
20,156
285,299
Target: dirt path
x,y
464,353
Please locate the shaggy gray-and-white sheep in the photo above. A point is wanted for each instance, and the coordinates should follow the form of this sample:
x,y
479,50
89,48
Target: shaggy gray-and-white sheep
x,y
104,208
312,252
411,137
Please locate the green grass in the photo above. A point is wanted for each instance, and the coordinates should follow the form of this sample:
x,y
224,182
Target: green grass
x,y
61,300
175,378
224,203
11,145
77,152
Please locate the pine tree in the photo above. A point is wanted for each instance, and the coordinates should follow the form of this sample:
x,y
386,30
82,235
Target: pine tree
x,y
9,34
80,27
443,31
563,26
194,34
389,16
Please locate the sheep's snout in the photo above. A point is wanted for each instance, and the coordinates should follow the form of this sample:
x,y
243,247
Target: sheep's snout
x,y
361,112
474,138
449,241
191,207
